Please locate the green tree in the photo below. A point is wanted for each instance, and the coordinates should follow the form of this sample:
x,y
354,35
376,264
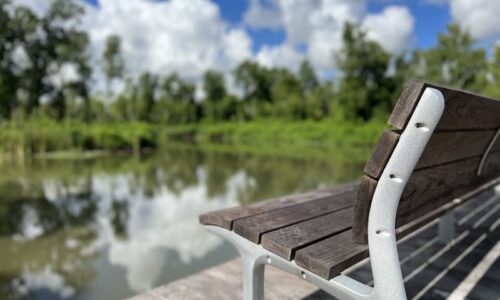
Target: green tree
x,y
493,87
364,89
176,103
455,61
307,77
255,81
114,64
52,44
146,93
214,87
287,95
8,79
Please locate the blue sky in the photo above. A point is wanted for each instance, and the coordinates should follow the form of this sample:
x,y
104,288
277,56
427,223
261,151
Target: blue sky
x,y
430,19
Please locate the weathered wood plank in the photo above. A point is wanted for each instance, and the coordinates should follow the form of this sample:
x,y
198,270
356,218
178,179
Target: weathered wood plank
x,y
443,147
284,242
463,110
225,218
430,188
407,101
253,227
362,209
427,189
448,146
383,150
331,256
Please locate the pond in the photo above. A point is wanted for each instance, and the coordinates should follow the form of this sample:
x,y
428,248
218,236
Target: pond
x,y
113,226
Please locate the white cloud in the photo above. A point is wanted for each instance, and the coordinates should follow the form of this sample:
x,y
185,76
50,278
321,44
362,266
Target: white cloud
x,y
263,15
318,25
392,28
187,37
479,17
279,56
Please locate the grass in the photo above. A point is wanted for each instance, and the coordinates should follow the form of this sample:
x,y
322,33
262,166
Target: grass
x,y
43,137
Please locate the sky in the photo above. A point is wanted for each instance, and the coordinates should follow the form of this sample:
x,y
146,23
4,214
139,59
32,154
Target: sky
x,y
192,36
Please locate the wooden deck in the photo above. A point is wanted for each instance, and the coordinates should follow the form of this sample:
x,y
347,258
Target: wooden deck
x,y
469,267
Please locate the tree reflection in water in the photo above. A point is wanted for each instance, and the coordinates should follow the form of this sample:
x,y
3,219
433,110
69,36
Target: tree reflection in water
x,y
113,226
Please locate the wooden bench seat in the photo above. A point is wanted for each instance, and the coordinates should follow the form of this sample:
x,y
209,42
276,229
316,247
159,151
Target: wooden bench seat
x,y
297,227
443,149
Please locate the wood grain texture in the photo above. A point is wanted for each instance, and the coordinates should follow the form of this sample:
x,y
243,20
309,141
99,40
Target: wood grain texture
x,y
253,227
448,166
284,242
448,146
414,225
362,205
463,110
443,147
428,189
383,150
331,256
407,101
225,218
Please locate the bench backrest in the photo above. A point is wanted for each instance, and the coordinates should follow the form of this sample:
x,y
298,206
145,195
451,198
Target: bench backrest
x,y
449,166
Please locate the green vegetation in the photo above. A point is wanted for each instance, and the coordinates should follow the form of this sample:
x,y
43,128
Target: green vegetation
x,y
20,139
42,111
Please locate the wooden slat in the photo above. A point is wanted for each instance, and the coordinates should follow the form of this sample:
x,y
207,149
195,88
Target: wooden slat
x,y
443,147
410,227
225,218
331,256
383,150
426,190
284,242
451,146
463,110
253,227
362,209
412,90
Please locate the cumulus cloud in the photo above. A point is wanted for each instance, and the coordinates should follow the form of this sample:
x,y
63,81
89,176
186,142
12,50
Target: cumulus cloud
x,y
479,17
392,28
263,15
279,56
187,37
317,27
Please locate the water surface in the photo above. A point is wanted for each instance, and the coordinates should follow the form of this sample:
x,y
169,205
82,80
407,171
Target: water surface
x,y
114,226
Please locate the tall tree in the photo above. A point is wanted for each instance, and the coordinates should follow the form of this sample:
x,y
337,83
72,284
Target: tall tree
x,y
114,64
8,78
493,87
255,80
455,61
307,77
146,93
214,87
54,45
176,104
364,89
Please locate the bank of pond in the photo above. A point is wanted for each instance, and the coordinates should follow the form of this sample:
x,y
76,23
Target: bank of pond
x,y
21,140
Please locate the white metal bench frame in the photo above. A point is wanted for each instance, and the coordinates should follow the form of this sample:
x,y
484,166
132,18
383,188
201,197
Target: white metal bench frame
x,y
388,280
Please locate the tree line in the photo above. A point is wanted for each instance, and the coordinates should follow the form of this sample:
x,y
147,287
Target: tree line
x,y
36,52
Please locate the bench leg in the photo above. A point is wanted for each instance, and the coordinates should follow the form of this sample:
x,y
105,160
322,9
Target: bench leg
x,y
253,279
446,230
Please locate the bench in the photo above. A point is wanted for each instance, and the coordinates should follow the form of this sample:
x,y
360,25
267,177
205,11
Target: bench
x,y
443,149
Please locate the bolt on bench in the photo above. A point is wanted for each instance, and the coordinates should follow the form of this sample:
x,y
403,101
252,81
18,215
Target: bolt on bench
x,y
444,149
